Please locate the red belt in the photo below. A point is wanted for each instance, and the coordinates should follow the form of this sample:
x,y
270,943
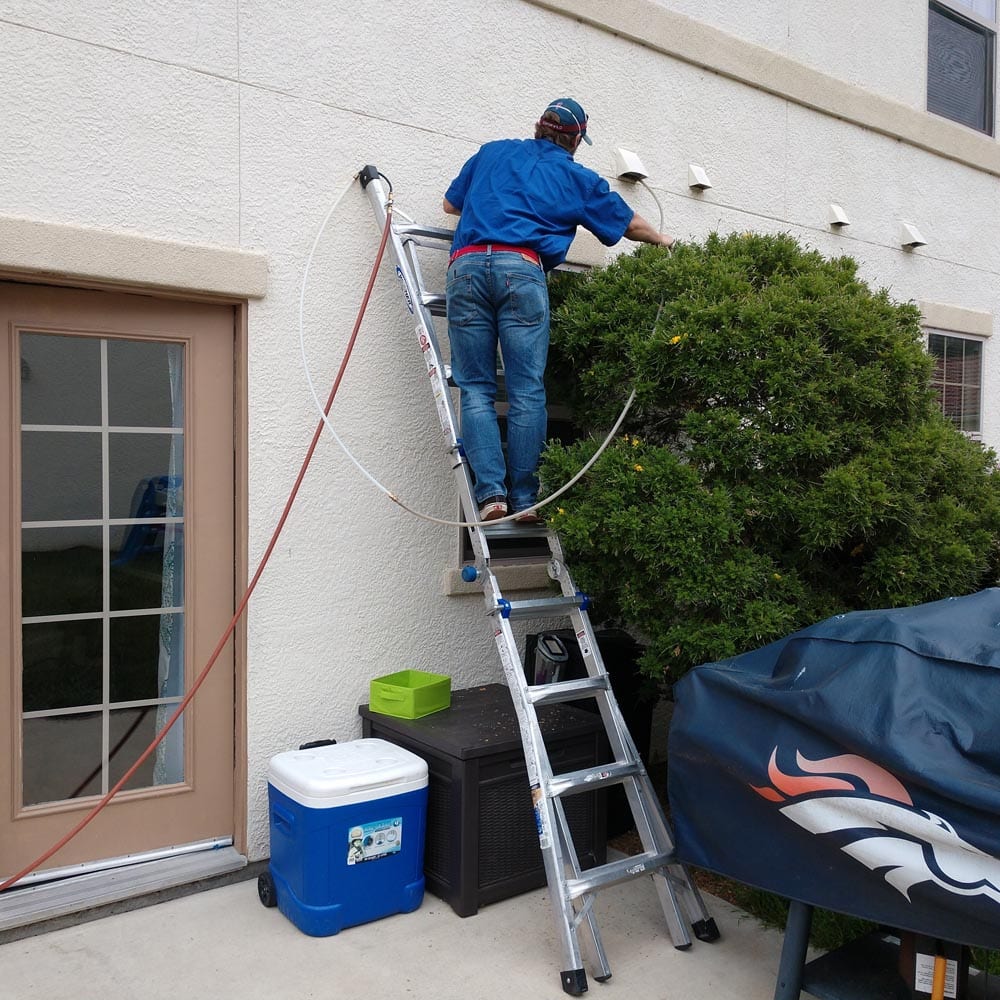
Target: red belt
x,y
497,248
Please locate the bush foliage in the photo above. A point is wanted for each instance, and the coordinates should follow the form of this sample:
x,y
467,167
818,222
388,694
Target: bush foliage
x,y
784,460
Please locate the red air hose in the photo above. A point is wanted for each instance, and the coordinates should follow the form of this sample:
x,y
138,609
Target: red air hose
x,y
200,679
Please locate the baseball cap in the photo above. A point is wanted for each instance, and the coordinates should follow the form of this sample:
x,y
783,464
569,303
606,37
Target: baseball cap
x,y
572,118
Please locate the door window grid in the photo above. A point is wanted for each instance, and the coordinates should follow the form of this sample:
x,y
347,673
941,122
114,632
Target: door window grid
x,y
167,610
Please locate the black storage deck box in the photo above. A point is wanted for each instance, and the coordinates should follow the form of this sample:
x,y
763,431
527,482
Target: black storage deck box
x,y
481,841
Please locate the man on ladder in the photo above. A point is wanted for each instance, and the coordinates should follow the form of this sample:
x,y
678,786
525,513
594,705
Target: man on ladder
x,y
520,202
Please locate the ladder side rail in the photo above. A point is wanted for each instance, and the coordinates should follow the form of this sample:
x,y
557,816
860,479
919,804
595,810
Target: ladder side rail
x,y
620,739
690,898
409,239
561,861
622,745
428,342
679,897
571,896
582,909
550,833
651,824
412,290
413,259
673,909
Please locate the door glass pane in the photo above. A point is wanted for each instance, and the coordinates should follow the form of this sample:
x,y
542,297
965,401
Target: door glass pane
x,y
145,384
61,571
62,757
147,657
86,564
147,567
60,380
60,475
146,471
132,730
63,664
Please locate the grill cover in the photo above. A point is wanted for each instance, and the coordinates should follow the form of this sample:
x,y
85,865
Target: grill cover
x,y
855,766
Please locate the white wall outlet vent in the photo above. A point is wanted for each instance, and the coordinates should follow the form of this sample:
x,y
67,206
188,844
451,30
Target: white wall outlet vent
x,y
837,217
628,166
910,237
698,178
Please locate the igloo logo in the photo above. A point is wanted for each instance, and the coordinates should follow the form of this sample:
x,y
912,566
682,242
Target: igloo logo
x,y
908,845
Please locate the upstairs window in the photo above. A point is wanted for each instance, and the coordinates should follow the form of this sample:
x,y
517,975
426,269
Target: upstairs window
x,y
958,378
961,73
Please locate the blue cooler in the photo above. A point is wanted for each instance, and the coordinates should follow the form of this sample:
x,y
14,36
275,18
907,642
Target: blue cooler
x,y
347,826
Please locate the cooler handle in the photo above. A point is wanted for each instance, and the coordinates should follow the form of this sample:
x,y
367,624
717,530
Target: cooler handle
x,y
283,819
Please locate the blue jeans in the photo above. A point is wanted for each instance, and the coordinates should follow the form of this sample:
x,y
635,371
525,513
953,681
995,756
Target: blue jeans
x,y
500,297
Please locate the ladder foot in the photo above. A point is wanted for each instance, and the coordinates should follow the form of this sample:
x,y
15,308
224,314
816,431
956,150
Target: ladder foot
x,y
683,947
706,930
574,982
603,979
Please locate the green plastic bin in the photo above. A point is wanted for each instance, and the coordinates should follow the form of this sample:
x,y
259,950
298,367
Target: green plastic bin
x,y
410,694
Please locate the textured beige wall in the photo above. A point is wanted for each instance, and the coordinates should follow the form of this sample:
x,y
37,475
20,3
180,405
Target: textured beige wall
x,y
233,125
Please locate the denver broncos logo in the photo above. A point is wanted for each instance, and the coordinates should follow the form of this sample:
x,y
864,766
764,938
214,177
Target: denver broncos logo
x,y
909,845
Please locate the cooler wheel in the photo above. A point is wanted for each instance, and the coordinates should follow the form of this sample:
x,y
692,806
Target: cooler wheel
x,y
265,889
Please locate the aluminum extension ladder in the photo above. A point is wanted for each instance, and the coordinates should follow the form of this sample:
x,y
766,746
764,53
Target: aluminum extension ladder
x,y
571,889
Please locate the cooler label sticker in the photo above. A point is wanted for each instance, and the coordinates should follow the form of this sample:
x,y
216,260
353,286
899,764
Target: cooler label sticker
x,y
371,841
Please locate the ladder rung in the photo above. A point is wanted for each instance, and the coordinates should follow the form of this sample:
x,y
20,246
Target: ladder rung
x,y
617,871
541,608
591,778
560,691
510,529
416,233
435,303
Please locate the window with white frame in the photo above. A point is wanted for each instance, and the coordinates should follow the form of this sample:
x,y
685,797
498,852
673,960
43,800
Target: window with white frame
x,y
958,378
961,61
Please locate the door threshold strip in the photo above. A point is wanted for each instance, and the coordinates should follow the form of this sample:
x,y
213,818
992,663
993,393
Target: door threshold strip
x,y
47,900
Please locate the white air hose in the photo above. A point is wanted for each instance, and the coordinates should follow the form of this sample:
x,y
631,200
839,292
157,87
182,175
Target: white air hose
x,y
347,451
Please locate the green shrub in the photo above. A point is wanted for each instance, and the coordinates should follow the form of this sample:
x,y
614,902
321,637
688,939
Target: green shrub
x,y
785,458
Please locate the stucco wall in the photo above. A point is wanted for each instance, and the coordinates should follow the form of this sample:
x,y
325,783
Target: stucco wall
x,y
235,124
883,48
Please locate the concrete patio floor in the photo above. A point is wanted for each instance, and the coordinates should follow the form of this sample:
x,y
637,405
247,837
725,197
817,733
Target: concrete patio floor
x,y
223,943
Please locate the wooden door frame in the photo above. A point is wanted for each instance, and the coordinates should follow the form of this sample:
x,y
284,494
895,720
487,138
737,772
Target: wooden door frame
x,y
240,500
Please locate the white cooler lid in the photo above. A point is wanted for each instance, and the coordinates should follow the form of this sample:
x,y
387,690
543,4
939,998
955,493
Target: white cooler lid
x,y
346,772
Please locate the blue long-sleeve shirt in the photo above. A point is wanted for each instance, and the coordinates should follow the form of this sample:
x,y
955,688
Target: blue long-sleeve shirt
x,y
532,193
